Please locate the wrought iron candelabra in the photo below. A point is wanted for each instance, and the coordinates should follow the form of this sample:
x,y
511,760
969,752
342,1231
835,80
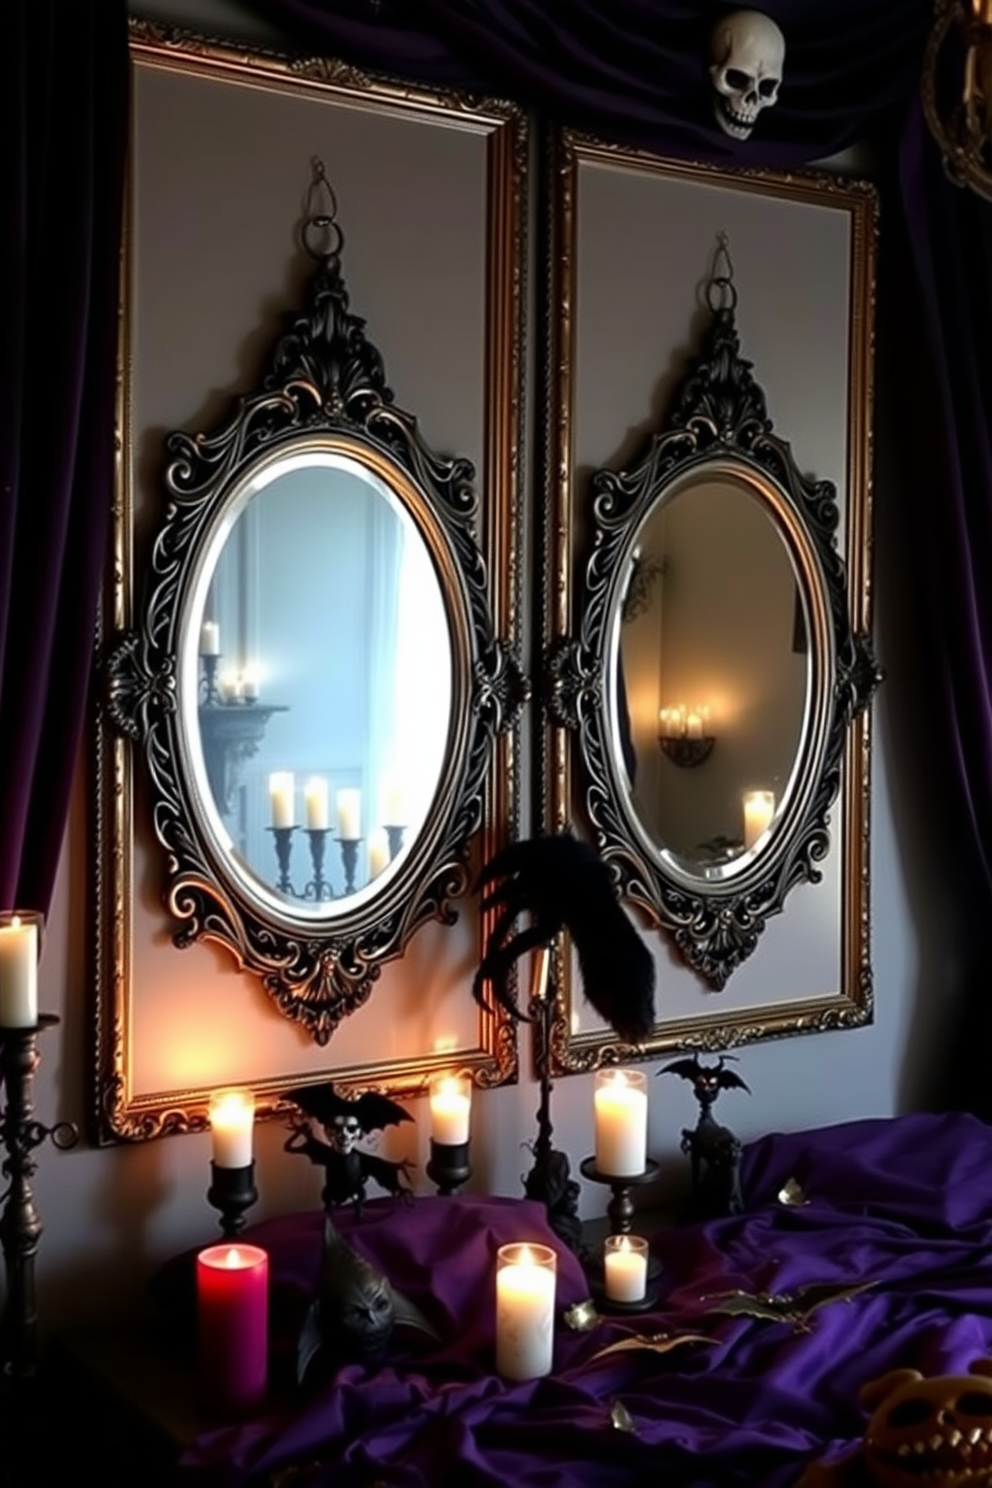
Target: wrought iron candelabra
x,y
283,837
20,1226
549,1180
349,858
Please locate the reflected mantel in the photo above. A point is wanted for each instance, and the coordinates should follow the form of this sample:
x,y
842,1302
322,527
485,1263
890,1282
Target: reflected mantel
x,y
231,734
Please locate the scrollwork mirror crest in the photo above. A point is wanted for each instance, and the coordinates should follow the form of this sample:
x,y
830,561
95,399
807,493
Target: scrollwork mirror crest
x,y
708,667
324,430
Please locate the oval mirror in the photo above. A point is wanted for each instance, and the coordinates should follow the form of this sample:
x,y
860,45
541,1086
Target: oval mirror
x,y
710,678
317,735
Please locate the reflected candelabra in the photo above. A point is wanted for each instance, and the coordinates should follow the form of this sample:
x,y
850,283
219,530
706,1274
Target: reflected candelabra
x,y
318,888
283,837
349,858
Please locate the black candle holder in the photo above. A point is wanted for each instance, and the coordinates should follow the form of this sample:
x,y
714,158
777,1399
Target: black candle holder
x,y
232,1191
549,1180
209,693
318,888
448,1166
349,857
620,1210
394,836
284,847
20,1226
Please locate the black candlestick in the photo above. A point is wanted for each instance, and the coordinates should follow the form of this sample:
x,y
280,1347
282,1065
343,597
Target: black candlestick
x,y
208,683
318,888
448,1166
20,1226
232,1191
620,1210
349,857
284,847
394,836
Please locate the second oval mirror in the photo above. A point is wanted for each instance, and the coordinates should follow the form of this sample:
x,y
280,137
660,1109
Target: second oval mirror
x,y
710,678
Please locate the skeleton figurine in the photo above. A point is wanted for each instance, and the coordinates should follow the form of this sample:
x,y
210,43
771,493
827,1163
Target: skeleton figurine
x,y
747,51
347,1167
713,1150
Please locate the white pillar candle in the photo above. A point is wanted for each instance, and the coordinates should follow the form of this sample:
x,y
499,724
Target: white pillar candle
x,y
249,684
451,1109
525,1311
759,808
282,788
693,726
625,1268
19,968
392,802
349,815
210,638
315,797
232,1119
621,1112
378,851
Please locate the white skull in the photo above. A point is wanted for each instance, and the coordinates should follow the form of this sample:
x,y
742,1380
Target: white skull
x,y
747,51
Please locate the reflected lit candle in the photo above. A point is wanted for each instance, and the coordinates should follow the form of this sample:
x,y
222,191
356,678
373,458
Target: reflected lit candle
x,y
621,1121
349,815
759,808
525,1311
232,1294
210,638
232,1120
282,788
249,684
19,968
315,798
392,802
451,1109
378,851
625,1268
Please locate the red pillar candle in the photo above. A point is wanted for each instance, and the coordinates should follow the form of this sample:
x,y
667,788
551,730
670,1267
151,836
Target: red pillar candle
x,y
232,1287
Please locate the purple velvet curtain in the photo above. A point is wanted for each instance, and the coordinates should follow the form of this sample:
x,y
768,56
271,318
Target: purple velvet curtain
x,y
63,129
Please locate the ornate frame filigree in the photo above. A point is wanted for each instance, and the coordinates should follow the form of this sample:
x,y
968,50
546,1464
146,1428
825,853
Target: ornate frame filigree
x,y
717,424
325,388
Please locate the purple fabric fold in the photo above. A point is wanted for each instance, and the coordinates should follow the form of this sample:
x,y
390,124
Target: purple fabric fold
x,y
903,1205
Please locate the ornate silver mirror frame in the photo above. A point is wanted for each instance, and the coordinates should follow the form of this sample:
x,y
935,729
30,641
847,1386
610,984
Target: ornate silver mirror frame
x,y
324,398
713,902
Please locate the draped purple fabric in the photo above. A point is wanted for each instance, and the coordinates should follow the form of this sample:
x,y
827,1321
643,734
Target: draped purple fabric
x,y
63,93
898,1216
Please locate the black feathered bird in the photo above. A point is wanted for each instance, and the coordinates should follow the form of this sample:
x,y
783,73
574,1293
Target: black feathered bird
x,y
562,883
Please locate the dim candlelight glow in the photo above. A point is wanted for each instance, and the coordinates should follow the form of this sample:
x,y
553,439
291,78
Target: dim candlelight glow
x,y
759,809
315,798
349,815
451,1109
621,1122
525,1311
625,1268
19,944
232,1284
232,1119
282,789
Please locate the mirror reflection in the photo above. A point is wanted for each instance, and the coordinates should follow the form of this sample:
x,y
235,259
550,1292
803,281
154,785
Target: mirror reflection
x,y
324,678
710,675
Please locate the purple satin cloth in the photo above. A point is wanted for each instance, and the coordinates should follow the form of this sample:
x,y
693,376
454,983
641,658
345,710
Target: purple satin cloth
x,y
905,1204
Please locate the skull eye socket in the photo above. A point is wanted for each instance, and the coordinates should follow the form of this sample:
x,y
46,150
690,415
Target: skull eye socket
x,y
737,79
908,1413
767,87
975,1403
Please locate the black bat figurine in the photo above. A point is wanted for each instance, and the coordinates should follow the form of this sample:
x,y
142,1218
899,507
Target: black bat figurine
x,y
347,1168
564,884
707,1079
713,1150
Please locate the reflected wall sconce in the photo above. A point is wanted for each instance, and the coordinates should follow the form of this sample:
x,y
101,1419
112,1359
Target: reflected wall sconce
x,y
759,809
685,735
956,90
